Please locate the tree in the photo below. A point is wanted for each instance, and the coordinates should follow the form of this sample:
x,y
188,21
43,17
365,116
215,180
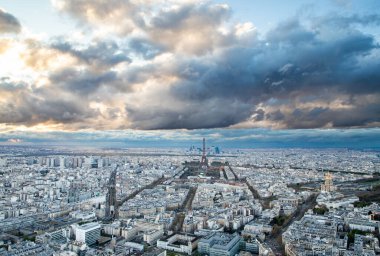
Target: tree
x,y
320,210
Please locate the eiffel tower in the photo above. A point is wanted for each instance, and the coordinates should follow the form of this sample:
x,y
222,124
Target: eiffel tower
x,y
204,162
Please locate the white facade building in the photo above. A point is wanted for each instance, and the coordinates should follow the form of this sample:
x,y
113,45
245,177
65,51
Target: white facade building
x,y
88,233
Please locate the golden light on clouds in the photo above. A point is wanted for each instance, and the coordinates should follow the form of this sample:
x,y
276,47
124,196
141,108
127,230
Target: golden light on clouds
x,y
175,64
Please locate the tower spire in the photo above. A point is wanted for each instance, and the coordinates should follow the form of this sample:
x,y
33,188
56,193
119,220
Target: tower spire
x,y
204,162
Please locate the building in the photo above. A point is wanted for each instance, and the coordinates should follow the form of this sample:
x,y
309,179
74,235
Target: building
x,y
252,245
151,236
3,162
182,243
322,228
155,252
88,233
26,248
77,162
62,162
328,186
220,244
151,231
255,227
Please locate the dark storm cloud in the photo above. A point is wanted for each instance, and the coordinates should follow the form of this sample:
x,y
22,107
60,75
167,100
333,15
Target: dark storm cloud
x,y
294,62
9,23
324,116
43,105
188,66
258,115
275,116
82,82
205,114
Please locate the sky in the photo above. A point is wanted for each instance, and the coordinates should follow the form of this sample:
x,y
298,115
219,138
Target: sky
x,y
168,72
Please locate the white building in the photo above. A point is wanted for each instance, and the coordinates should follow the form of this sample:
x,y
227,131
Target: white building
x,y
3,161
88,233
151,236
62,162
183,243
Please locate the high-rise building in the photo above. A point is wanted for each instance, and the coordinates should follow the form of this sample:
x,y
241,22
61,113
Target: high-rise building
x,y
103,162
62,162
51,162
87,162
77,162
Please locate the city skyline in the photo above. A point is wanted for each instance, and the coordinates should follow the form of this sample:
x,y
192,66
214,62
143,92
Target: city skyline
x,y
189,127
168,73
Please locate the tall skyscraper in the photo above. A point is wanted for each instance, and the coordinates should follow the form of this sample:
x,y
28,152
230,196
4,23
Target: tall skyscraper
x,y
62,162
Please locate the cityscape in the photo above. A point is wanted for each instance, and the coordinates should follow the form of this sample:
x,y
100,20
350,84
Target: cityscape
x,y
189,127
197,201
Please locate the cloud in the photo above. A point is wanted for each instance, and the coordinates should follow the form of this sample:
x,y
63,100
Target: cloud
x,y
82,82
187,65
189,115
145,48
34,107
9,23
299,63
40,57
14,140
191,28
117,16
101,53
4,45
